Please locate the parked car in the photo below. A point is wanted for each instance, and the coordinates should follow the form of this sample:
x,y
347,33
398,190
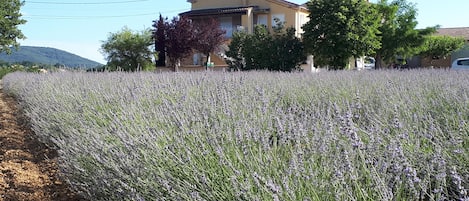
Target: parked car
x,y
461,63
369,63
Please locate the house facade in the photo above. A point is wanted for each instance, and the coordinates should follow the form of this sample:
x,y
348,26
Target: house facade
x,y
244,15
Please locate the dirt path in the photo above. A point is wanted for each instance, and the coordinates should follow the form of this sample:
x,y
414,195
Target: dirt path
x,y
28,169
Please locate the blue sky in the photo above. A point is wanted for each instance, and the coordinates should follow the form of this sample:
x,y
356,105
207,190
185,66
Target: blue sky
x,y
80,26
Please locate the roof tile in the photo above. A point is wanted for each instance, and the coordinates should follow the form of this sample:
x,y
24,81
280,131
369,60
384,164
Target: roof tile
x,y
455,32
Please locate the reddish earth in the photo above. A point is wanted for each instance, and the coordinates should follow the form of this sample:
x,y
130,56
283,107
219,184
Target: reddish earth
x,y
28,169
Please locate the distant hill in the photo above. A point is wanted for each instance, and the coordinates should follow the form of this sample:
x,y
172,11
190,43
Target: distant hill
x,y
47,55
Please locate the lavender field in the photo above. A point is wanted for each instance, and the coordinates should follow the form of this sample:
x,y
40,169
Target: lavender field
x,y
377,135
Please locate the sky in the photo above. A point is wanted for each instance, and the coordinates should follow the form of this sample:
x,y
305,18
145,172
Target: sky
x,y
81,26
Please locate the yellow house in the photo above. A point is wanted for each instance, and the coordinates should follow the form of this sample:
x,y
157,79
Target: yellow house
x,y
244,15
237,15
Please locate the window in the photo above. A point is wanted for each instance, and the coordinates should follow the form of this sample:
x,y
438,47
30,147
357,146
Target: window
x,y
226,24
262,19
463,62
281,17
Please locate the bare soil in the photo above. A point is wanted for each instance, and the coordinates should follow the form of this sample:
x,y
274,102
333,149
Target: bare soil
x,y
28,168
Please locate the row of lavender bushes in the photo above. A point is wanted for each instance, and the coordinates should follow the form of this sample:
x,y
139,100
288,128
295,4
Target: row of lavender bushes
x,y
380,135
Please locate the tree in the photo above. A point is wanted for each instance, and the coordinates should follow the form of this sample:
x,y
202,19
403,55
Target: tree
x,y
179,40
399,36
235,54
287,50
339,30
440,46
10,19
128,50
159,35
209,36
277,51
257,52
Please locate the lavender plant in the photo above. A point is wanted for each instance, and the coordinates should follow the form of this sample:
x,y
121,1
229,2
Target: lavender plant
x,y
380,135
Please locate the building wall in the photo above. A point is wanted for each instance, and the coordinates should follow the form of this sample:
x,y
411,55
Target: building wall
x,y
283,13
436,63
303,18
189,68
462,53
293,17
447,61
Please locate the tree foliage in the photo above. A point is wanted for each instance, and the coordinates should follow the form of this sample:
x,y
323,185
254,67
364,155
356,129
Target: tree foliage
x,y
339,30
128,50
235,54
179,40
399,35
209,36
180,37
441,46
250,51
10,19
159,35
277,51
287,50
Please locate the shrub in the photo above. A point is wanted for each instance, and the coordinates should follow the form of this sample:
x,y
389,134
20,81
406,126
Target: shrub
x,y
379,135
277,51
7,68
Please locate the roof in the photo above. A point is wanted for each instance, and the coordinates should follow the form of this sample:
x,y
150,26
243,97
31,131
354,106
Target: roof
x,y
289,4
217,11
455,32
285,2
240,10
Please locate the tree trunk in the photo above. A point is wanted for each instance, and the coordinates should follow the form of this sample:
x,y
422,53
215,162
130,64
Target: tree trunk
x,y
177,65
378,61
208,61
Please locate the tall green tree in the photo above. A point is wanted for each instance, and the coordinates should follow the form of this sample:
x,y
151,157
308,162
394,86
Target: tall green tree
x,y
339,30
159,35
128,50
10,19
399,36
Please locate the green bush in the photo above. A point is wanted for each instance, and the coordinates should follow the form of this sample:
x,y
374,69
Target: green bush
x,y
277,51
5,69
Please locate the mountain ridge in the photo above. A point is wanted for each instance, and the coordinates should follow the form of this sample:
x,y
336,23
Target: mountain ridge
x,y
48,56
